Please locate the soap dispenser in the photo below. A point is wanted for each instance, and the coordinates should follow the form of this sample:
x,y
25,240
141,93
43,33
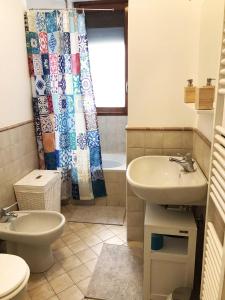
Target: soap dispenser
x,y
209,82
205,96
189,92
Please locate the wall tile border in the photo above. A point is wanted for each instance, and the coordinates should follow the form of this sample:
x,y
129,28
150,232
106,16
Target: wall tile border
x,y
202,136
16,125
160,128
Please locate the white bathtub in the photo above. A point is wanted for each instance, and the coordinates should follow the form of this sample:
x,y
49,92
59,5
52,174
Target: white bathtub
x,y
114,167
114,161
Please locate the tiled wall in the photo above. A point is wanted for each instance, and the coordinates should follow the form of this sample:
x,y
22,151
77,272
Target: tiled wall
x,y
18,156
112,133
163,141
201,151
115,181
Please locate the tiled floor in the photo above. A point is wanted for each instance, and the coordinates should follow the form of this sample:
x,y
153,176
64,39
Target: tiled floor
x,y
76,254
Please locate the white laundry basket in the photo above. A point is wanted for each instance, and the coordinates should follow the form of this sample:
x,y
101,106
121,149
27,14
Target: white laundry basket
x,y
40,189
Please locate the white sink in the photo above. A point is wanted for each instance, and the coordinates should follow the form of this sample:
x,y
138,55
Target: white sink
x,y
160,181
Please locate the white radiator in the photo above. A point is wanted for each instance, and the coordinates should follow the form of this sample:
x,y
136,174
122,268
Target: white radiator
x,y
212,275
213,265
214,251
217,188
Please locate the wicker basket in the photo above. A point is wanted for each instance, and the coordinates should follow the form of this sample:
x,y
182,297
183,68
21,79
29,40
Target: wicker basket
x,y
39,190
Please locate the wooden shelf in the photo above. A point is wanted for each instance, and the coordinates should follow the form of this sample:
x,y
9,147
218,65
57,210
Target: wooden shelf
x,y
174,246
200,111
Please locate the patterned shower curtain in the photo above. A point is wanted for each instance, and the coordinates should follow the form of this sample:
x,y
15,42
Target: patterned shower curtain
x,y
63,100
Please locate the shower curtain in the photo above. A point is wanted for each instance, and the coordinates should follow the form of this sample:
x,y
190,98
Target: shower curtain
x,y
63,100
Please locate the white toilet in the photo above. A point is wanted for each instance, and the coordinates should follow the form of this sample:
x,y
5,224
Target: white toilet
x,y
30,236
14,277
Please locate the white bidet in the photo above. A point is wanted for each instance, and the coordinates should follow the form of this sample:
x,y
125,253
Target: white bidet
x,y
30,236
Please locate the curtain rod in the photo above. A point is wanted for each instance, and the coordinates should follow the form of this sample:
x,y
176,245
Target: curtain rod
x,y
83,9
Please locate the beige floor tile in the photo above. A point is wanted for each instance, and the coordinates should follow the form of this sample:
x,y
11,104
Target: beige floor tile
x,y
58,244
84,240
117,227
64,209
67,215
86,255
70,238
54,271
41,292
83,285
97,248
117,230
95,228
120,231
91,264
114,241
26,296
66,230
72,293
79,273
122,236
83,233
78,246
108,226
105,234
70,262
92,240
62,253
70,206
61,283
36,280
76,226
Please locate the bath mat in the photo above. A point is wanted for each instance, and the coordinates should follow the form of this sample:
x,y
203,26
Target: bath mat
x,y
110,215
118,274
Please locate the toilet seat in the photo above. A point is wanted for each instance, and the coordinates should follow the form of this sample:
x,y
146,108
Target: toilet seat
x,y
14,276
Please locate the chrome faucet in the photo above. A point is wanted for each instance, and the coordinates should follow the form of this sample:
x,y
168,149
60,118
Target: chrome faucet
x,y
5,214
186,162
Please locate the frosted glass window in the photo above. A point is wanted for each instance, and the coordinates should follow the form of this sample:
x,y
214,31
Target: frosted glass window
x,y
107,59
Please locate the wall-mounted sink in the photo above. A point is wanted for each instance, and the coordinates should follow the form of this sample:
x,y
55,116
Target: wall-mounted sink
x,y
160,181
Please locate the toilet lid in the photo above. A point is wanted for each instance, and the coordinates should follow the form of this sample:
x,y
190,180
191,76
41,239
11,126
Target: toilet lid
x,y
13,271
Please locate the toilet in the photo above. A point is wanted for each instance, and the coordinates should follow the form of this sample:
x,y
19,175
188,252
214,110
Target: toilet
x,y
30,236
14,277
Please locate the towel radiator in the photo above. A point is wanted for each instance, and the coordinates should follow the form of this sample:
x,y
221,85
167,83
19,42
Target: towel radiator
x,y
213,267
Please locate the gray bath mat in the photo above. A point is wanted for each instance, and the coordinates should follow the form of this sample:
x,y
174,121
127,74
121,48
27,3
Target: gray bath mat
x,y
118,274
112,215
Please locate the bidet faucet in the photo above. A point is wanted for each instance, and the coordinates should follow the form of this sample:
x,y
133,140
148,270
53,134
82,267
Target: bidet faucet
x,y
5,213
186,162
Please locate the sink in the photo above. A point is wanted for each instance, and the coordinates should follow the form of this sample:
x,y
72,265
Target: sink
x,y
157,180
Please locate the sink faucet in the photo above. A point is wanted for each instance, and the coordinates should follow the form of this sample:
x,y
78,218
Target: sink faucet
x,y
5,214
186,162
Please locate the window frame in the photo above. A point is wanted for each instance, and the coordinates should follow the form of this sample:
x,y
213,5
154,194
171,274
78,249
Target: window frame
x,y
121,5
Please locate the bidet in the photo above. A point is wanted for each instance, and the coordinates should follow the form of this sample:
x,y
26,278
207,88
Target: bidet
x,y
30,236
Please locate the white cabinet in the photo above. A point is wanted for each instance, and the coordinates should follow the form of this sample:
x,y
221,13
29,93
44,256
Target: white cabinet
x,y
173,265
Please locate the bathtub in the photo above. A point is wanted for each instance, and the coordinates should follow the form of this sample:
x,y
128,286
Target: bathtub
x,y
114,161
114,168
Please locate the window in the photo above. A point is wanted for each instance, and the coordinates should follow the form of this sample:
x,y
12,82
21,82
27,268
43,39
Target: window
x,y
107,38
